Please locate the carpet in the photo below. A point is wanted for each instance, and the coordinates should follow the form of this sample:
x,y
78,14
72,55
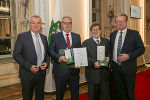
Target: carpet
x,y
142,87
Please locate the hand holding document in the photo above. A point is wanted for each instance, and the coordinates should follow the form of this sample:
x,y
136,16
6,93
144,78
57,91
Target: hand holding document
x,y
76,57
101,56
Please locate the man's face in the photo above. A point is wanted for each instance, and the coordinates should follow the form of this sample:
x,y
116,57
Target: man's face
x,y
121,22
66,25
35,24
96,32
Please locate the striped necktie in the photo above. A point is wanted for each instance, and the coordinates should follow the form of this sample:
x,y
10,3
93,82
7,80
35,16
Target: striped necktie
x,y
119,47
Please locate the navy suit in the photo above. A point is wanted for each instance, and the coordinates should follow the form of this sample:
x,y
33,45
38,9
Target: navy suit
x,y
25,55
63,75
125,74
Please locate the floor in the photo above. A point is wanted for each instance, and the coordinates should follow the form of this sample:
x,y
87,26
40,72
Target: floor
x,y
13,92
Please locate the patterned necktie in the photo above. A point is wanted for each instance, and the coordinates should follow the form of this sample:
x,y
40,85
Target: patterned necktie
x,y
38,51
119,46
68,41
97,42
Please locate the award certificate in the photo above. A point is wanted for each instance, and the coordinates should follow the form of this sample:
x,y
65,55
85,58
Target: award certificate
x,y
80,57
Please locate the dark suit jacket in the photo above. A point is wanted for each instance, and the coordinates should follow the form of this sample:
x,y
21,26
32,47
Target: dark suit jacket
x,y
92,74
133,45
58,42
25,54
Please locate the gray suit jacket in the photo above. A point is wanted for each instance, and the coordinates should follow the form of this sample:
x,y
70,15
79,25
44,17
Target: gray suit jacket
x,y
92,74
25,55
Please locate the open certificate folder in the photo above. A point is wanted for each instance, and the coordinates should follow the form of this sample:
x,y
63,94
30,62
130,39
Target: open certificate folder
x,y
75,57
80,57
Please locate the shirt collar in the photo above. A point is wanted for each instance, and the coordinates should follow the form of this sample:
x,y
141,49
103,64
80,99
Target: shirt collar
x,y
64,33
96,39
124,31
34,34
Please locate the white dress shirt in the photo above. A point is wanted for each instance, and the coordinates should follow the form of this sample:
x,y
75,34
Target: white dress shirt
x,y
70,38
116,43
41,43
97,39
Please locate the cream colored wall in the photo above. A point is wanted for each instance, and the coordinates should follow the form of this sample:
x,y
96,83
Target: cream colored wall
x,y
76,9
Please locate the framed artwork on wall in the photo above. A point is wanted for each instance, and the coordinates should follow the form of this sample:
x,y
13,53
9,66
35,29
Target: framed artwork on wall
x,y
135,11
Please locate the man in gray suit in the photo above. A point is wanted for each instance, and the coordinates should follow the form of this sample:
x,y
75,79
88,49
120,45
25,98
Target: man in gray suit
x,y
30,53
96,75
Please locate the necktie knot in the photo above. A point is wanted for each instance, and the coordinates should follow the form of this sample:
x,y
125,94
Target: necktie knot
x,y
36,35
67,35
121,33
97,42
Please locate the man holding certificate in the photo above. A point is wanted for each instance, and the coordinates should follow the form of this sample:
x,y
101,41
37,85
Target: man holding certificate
x,y
97,72
65,40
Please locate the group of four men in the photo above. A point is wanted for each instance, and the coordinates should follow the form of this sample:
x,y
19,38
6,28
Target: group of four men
x,y
32,53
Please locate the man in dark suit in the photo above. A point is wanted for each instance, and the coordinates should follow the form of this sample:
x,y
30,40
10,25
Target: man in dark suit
x,y
126,45
96,75
63,76
30,53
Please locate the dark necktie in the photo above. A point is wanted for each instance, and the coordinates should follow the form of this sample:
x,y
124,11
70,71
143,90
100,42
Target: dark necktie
x,y
119,47
68,41
38,51
97,42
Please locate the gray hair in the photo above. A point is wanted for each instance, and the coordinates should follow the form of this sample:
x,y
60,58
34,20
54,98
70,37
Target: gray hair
x,y
66,17
35,16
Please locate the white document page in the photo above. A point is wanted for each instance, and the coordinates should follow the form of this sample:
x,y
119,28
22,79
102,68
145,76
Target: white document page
x,y
80,57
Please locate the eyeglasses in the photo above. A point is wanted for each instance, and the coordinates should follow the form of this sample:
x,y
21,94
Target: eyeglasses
x,y
67,23
95,29
121,21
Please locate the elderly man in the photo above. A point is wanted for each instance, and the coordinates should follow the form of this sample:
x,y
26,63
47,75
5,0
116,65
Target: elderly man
x,y
30,53
65,76
97,76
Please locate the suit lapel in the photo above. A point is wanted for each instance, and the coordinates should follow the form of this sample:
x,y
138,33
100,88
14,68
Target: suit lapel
x,y
62,39
30,42
93,43
73,40
126,39
114,38
44,42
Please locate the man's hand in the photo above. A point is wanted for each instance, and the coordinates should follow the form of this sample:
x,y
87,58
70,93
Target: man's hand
x,y
96,65
77,67
123,57
62,59
107,59
43,66
34,68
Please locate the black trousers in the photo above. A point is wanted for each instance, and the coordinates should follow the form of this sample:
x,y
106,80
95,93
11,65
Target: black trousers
x,y
124,84
61,82
28,86
101,89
